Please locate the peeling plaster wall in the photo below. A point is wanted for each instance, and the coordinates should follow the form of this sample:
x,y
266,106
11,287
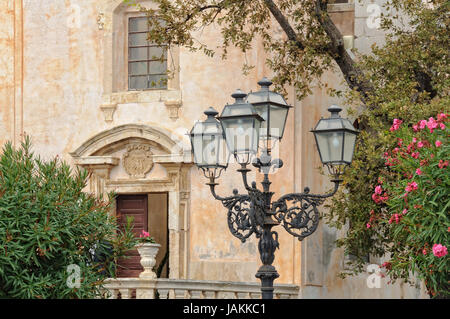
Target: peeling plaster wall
x,y
8,71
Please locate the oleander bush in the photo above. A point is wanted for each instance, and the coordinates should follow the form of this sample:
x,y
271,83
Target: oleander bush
x,y
57,241
411,203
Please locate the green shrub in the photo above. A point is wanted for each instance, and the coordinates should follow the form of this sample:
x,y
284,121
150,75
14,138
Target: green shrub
x,y
50,228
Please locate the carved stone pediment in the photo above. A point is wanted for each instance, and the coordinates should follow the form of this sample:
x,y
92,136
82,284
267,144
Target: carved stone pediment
x,y
137,161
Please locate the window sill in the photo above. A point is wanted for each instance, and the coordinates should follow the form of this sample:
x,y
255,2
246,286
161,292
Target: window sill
x,y
171,99
341,7
144,96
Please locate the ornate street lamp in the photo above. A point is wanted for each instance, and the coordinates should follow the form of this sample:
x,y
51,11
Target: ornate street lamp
x,y
255,212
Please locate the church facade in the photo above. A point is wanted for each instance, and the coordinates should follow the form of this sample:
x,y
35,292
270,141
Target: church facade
x,y
82,80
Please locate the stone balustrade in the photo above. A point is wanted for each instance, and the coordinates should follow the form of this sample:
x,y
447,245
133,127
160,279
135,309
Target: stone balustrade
x,y
162,288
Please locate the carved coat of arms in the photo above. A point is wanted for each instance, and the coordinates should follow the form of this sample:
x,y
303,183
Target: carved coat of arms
x,y
137,161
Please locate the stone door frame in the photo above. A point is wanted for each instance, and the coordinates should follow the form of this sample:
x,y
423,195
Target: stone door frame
x,y
177,164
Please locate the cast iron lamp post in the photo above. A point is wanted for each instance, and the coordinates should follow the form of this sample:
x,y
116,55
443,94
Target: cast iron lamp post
x,y
260,118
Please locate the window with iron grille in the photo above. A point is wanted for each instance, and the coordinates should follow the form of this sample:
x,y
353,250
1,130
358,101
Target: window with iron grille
x,y
147,61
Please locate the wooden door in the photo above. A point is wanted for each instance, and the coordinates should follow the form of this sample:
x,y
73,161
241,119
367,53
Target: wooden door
x,y
135,206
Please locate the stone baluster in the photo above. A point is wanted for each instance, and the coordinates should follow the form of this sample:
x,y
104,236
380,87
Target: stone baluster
x,y
243,295
144,293
163,293
255,295
209,294
180,293
196,294
112,294
125,293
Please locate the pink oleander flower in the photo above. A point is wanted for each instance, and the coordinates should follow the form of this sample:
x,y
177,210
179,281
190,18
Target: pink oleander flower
x,y
418,171
397,218
424,251
410,148
145,237
438,143
415,127
443,164
411,187
377,198
414,140
422,124
441,116
144,234
386,265
439,250
389,162
395,125
432,124
378,190
415,155
420,144
404,212
442,126
368,225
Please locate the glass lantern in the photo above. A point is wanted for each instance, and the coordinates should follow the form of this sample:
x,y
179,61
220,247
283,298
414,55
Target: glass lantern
x,y
241,125
208,145
272,107
335,139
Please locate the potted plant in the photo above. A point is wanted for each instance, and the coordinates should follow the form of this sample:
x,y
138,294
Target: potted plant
x,y
148,249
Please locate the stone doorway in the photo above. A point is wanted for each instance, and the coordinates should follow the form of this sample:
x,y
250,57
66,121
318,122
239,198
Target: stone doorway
x,y
149,213
137,159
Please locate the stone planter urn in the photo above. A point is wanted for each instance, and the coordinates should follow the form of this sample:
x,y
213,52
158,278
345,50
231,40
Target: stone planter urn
x,y
148,252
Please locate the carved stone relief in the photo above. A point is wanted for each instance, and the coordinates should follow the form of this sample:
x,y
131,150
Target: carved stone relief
x,y
137,161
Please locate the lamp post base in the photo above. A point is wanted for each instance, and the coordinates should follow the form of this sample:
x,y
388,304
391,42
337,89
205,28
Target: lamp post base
x,y
267,274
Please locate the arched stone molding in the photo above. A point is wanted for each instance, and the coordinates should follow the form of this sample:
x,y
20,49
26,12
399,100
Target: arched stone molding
x,y
97,156
175,146
112,17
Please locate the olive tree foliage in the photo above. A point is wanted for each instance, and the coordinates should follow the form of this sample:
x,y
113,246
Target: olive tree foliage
x,y
406,78
311,43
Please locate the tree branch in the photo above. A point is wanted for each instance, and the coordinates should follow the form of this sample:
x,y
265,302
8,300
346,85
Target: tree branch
x,y
283,22
352,74
200,9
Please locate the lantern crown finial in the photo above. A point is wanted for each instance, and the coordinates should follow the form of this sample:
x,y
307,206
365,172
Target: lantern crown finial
x,y
211,112
334,110
239,95
264,83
